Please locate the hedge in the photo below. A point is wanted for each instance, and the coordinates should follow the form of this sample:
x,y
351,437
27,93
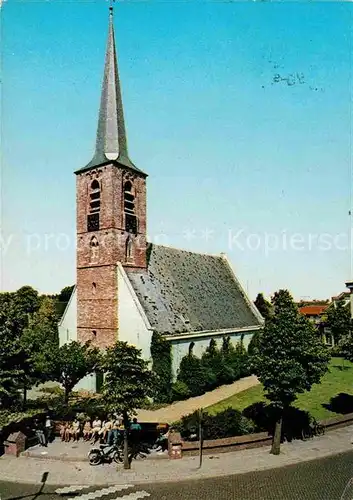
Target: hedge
x,y
227,423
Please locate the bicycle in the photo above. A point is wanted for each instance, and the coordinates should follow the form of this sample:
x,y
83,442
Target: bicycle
x,y
313,429
318,429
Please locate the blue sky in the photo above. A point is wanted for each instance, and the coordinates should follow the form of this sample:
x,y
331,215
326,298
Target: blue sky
x,y
239,112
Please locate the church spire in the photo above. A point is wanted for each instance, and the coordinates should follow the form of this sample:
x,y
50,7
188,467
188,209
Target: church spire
x,y
111,142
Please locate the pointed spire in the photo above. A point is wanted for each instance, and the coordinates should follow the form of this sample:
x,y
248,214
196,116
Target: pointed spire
x,y
111,142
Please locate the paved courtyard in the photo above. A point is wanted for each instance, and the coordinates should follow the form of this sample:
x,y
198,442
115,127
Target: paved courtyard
x,y
72,451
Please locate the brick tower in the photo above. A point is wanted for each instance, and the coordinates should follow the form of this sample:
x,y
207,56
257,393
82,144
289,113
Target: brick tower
x,y
111,215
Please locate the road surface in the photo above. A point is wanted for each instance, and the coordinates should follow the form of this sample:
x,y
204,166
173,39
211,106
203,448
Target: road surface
x,y
323,479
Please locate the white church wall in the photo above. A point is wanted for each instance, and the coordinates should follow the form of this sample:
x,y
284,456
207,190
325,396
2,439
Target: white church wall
x,y
180,348
133,324
68,333
68,323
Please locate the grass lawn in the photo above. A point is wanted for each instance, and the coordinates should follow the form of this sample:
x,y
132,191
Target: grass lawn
x,y
339,379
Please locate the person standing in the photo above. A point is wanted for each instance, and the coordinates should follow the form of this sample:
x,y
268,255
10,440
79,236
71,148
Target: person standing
x,y
106,428
113,433
135,436
48,429
39,431
135,426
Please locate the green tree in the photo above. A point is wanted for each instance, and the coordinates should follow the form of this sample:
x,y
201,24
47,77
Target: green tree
x,y
242,358
346,347
16,309
193,374
71,363
263,306
290,359
10,350
40,343
338,319
65,294
230,362
128,381
212,363
254,344
162,366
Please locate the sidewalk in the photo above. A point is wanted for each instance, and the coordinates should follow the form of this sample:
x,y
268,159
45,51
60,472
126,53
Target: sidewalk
x,y
72,451
30,470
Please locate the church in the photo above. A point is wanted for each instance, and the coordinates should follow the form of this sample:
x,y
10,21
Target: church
x,y
127,288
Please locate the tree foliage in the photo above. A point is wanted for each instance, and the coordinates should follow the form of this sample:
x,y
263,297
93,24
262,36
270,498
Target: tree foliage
x,y
227,423
263,306
16,309
162,366
216,367
65,294
128,382
291,356
338,319
212,361
40,343
193,374
72,363
254,344
128,379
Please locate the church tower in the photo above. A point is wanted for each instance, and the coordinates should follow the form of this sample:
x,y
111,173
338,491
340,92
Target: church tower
x,y
111,215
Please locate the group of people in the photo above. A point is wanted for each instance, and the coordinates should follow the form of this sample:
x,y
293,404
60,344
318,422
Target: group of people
x,y
108,431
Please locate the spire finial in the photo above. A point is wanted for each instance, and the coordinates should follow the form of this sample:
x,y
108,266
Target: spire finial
x,y
111,3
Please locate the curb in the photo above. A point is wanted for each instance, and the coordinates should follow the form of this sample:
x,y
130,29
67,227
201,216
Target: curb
x,y
64,458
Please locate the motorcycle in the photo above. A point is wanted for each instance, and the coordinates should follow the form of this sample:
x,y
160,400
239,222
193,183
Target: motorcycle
x,y
105,454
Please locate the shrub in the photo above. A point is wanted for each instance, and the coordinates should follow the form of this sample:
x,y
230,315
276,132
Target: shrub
x,y
265,415
236,360
193,374
217,371
227,423
180,391
336,351
162,366
254,343
243,359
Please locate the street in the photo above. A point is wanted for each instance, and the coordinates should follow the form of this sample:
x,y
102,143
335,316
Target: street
x,y
323,479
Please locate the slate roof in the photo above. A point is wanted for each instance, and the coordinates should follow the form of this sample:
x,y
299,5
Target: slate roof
x,y
184,292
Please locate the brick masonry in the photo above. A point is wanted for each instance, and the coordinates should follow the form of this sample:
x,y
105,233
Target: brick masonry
x,y
98,252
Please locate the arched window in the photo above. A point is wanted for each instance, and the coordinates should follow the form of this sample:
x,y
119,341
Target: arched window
x,y
129,208
129,198
94,206
94,250
95,197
